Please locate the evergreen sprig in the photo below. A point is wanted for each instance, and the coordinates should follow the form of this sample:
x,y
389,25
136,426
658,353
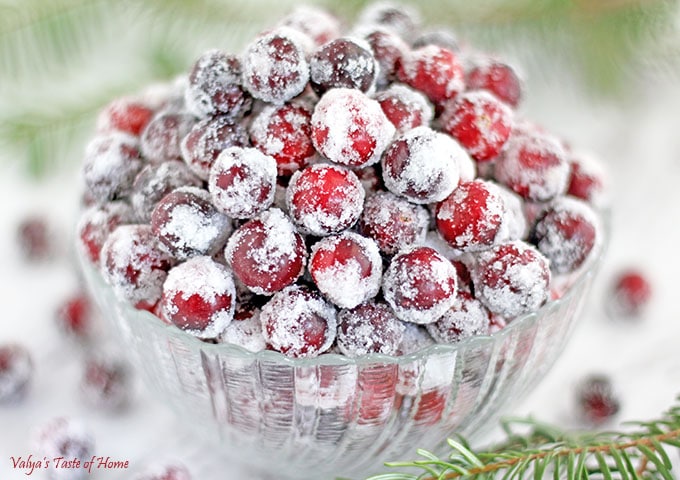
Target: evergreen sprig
x,y
549,452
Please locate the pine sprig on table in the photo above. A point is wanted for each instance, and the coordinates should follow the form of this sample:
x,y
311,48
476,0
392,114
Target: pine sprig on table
x,y
548,452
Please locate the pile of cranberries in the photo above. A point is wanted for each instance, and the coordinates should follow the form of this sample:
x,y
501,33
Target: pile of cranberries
x,y
320,192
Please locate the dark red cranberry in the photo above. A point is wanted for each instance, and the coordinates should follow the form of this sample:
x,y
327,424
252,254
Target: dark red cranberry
x,y
124,115
33,238
97,222
75,316
588,180
597,403
174,471
630,294
397,18
467,317
163,135
342,63
106,382
405,107
371,179
16,372
369,328
320,25
433,70
388,49
498,78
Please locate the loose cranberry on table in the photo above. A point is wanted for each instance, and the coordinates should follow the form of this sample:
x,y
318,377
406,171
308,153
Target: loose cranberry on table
x,y
596,400
405,108
245,329
343,63
16,372
467,317
33,238
75,316
433,70
497,78
629,294
160,140
126,115
371,327
66,438
97,222
170,471
106,382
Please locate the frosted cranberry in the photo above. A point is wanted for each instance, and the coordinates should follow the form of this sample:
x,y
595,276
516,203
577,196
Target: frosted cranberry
x,y
433,70
343,63
371,179
422,165
596,401
110,166
298,322
398,18
463,275
75,316
588,180
324,199
534,166
471,218
266,253
346,268
630,294
173,471
156,181
97,222
515,217
106,382
245,330
320,25
369,328
442,38
66,438
16,372
420,285
479,122
207,139
242,182
33,238
405,107
498,78
466,318
125,115
135,265
388,49
350,128
511,279
427,408
415,338
284,132
187,223
198,297
393,222
214,87
566,233
161,138
274,67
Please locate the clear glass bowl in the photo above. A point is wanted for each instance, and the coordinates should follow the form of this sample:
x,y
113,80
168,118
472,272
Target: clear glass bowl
x,y
335,416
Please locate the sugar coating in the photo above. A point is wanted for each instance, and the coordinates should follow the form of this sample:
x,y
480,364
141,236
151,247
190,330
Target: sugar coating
x,y
160,140
317,23
466,318
344,281
341,117
97,222
245,330
106,382
172,471
423,165
242,182
16,372
67,438
369,328
417,109
274,66
110,165
514,219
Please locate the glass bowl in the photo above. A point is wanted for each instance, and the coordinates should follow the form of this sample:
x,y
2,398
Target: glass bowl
x,y
332,415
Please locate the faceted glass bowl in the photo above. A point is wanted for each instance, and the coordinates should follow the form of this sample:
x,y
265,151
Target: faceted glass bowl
x,y
332,415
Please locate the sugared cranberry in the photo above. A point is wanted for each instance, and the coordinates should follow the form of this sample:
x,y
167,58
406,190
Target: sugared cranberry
x,y
284,132
346,268
596,401
422,165
75,316
472,217
173,471
405,107
433,70
16,372
388,49
274,66
33,238
298,322
242,182
68,439
198,297
398,18
97,222
515,217
534,166
188,224
420,285
266,253
566,233
106,382
124,115
371,179
442,37
161,138
207,139
466,318
214,87
498,78
511,279
393,222
630,294
321,26
324,199
135,265
245,330
588,180
343,63
369,328
480,122
350,128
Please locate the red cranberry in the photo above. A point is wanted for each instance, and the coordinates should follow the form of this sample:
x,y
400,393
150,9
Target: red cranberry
x,y
511,279
320,25
422,165
106,382
350,128
433,70
266,253
75,316
298,322
284,132
534,166
596,400
187,223
399,19
16,372
172,471
588,180
242,182
198,297
480,122
497,78
346,268
66,438
161,138
124,115
405,108
472,217
371,179
566,233
393,222
324,199
420,285
343,63
215,87
388,49
97,222
245,330
515,217
274,67
135,265
369,328
207,139
466,318
630,294
33,238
